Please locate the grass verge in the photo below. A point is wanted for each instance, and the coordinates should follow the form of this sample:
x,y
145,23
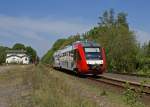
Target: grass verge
x,y
51,88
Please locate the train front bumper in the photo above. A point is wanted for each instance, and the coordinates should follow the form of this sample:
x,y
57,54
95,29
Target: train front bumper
x,y
94,69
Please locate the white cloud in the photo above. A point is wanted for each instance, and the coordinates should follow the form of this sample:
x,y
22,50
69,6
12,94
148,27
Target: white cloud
x,y
142,36
41,25
40,33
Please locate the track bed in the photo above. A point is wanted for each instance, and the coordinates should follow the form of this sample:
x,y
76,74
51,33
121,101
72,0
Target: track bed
x,y
129,78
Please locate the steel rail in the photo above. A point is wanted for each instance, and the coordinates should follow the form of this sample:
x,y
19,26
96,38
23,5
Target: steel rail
x,y
122,83
130,74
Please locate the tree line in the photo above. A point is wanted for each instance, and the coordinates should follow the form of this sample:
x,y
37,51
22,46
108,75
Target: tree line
x,y
18,46
124,53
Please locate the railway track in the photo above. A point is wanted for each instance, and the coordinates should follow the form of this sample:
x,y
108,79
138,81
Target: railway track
x,y
131,74
137,87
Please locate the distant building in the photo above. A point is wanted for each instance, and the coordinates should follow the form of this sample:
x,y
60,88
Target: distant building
x,y
17,56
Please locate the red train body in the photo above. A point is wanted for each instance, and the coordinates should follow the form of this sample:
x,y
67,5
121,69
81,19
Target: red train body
x,y
83,57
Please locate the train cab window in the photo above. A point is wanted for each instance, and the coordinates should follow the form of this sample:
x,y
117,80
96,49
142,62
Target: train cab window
x,y
93,53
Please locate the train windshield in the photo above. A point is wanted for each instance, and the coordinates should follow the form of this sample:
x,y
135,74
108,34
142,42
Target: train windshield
x,y
92,53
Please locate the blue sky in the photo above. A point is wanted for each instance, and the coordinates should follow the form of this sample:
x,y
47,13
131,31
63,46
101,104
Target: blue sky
x,y
39,23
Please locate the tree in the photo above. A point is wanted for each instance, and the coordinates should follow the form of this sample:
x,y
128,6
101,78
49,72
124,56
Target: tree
x,y
119,41
18,46
107,19
122,20
3,54
32,53
47,58
148,49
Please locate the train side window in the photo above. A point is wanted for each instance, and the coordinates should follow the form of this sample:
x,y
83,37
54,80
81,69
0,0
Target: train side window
x,y
71,53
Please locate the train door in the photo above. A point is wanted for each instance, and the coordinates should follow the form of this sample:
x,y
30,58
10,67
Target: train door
x,y
70,60
77,60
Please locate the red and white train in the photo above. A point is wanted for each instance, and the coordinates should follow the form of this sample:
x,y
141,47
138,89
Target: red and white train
x,y
83,57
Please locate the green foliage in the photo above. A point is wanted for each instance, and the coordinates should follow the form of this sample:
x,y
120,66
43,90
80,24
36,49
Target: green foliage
x,y
143,59
133,98
122,20
47,58
103,93
130,96
32,53
3,54
148,49
18,46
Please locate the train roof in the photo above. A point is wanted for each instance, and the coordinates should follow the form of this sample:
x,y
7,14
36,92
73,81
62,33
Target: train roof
x,y
87,43
71,47
65,49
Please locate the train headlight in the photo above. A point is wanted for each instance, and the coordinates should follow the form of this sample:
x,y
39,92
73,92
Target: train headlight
x,y
93,62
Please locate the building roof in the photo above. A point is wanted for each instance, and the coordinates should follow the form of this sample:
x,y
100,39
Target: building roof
x,y
16,51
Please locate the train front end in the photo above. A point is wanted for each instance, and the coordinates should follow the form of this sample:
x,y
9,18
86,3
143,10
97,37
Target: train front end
x,y
93,59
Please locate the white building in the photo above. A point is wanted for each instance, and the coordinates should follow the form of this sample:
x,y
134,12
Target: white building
x,y
17,56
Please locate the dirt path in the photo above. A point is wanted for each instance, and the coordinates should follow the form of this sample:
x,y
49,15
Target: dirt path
x,y
13,84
